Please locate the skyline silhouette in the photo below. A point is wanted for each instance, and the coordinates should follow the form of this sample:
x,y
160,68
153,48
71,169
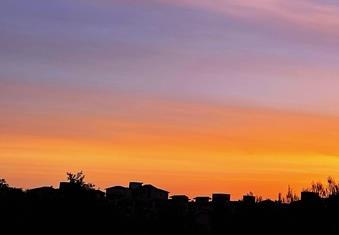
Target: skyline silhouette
x,y
77,206
331,188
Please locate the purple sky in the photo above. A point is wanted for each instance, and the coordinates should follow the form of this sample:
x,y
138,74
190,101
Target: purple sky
x,y
187,50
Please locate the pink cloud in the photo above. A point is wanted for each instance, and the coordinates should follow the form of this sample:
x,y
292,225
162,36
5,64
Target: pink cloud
x,y
309,15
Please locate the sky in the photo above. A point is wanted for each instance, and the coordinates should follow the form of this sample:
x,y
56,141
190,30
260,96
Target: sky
x,y
192,96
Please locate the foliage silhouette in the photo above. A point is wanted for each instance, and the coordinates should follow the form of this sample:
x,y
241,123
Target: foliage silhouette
x,y
291,196
79,179
3,184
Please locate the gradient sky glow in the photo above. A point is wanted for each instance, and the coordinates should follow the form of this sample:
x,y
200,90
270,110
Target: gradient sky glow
x,y
193,96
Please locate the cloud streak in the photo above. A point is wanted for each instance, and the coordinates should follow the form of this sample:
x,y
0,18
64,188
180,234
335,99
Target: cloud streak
x,y
311,15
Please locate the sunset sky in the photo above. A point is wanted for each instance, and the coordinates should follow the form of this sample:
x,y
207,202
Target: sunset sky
x,y
193,96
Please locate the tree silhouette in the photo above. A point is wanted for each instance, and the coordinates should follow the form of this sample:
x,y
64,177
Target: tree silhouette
x,y
332,187
291,196
251,194
324,191
3,184
259,199
281,198
318,188
79,179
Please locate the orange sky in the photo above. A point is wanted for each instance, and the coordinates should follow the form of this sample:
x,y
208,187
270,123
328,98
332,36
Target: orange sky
x,y
192,148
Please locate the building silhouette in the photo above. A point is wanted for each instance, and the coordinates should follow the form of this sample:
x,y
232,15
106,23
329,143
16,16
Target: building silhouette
x,y
146,209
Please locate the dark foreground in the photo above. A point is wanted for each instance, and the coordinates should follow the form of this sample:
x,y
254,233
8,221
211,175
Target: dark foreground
x,y
53,211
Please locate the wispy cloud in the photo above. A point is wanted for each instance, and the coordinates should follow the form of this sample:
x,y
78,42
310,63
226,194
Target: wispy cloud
x,y
305,14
